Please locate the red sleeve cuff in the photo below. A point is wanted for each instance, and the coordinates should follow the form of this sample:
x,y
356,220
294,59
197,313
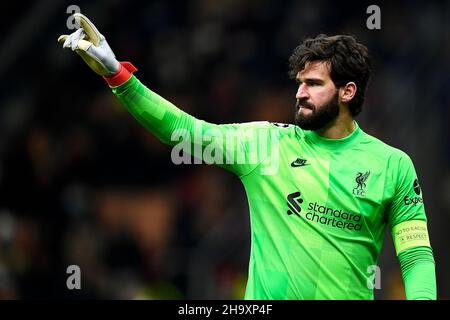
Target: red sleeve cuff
x,y
121,76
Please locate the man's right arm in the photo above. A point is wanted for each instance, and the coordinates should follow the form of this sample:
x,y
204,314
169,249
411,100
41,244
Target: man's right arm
x,y
234,147
231,146
155,113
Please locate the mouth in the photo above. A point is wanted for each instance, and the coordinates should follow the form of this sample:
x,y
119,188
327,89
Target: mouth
x,y
304,111
303,105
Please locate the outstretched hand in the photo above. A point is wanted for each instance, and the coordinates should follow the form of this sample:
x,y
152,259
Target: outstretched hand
x,y
92,46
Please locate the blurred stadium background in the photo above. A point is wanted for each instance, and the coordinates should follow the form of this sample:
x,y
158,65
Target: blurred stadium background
x,y
81,183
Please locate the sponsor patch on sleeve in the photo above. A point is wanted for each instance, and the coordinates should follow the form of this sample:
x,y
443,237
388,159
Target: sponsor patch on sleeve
x,y
281,125
409,234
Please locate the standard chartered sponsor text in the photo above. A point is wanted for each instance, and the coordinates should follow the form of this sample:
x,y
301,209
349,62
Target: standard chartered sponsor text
x,y
336,218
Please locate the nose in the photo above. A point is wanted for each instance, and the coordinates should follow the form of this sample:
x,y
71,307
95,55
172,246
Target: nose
x,y
302,93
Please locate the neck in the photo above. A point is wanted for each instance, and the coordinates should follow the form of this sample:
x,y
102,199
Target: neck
x,y
339,128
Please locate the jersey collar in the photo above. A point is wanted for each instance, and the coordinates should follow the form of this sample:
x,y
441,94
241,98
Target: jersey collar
x,y
335,144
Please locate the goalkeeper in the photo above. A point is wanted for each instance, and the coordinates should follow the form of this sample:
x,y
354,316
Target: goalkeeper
x,y
323,191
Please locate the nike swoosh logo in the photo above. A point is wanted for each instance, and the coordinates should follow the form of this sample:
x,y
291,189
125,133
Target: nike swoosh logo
x,y
299,163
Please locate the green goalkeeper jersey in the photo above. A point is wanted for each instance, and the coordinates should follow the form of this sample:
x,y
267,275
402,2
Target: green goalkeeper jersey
x,y
318,207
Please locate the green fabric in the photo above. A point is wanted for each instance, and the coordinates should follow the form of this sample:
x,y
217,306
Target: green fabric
x,y
418,272
318,207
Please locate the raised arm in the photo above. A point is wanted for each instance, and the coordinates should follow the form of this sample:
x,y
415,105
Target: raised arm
x,y
231,146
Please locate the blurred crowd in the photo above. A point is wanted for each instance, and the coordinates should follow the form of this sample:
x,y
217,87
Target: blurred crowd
x,y
82,183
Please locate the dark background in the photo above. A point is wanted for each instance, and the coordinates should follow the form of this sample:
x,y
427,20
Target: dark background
x,y
81,183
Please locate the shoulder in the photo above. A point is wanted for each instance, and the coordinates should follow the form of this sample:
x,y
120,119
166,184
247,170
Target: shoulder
x,y
280,129
397,164
266,124
383,149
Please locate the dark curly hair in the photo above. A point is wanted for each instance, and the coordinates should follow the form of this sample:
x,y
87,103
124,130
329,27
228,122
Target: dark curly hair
x,y
348,60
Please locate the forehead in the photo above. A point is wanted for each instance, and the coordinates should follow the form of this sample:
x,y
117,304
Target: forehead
x,y
315,69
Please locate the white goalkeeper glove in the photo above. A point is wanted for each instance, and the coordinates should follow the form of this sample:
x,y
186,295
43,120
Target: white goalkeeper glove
x,y
91,45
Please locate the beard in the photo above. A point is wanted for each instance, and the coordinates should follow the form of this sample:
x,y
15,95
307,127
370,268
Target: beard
x,y
320,116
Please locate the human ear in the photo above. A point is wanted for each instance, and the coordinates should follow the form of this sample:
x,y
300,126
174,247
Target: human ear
x,y
348,92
